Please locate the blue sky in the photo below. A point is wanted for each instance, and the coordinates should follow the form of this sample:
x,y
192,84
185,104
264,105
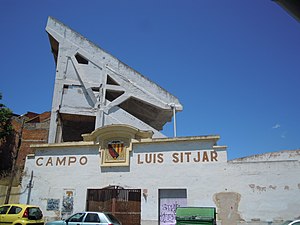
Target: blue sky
x,y
234,65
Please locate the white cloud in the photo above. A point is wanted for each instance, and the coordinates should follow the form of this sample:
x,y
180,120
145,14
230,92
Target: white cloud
x,y
277,125
283,135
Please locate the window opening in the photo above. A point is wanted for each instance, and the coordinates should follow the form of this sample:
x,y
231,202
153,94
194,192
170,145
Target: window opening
x,y
81,60
112,95
111,81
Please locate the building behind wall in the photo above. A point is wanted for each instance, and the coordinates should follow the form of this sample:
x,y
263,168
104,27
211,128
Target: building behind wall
x,y
30,128
105,151
94,89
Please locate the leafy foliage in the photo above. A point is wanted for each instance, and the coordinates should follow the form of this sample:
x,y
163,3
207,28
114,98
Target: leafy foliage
x,y
5,122
7,141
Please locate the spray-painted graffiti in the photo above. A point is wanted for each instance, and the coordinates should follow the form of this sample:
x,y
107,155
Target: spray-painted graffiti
x,y
52,204
167,213
168,208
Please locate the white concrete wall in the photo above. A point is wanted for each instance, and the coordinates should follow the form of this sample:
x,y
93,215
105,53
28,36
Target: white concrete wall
x,y
246,190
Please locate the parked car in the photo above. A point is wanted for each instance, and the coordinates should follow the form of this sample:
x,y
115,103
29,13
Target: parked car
x,y
291,222
88,218
20,214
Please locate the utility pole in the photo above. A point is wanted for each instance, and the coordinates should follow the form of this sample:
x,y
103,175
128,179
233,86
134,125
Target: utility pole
x,y
13,169
29,188
173,106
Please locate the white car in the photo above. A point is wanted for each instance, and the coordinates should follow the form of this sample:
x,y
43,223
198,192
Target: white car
x,y
291,222
88,218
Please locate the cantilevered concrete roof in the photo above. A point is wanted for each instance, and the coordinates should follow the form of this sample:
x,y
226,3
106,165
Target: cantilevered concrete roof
x,y
93,87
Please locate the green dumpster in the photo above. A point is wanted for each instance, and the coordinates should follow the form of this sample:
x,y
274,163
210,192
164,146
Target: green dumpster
x,y
196,215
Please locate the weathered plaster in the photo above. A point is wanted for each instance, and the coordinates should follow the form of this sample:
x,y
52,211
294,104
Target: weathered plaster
x,y
227,207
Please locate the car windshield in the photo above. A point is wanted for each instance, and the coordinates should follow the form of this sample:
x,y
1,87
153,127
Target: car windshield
x,y
3,209
286,222
113,218
76,217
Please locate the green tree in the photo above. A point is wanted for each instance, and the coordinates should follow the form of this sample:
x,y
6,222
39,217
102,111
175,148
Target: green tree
x,y
5,122
7,141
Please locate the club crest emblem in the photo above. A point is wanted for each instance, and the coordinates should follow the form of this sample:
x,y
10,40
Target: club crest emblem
x,y
115,149
115,143
115,152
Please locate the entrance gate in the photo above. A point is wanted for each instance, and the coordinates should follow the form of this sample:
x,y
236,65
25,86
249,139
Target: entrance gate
x,y
125,204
